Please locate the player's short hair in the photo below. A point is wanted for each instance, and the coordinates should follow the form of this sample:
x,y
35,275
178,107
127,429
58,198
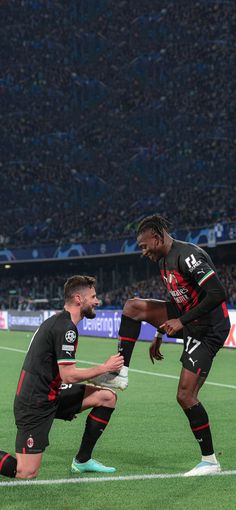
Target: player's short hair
x,y
155,223
77,283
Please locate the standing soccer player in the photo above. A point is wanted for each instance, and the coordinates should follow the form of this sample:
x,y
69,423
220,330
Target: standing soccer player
x,y
40,398
196,312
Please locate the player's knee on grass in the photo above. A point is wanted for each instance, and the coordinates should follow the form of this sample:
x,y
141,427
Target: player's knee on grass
x,y
27,473
106,398
28,465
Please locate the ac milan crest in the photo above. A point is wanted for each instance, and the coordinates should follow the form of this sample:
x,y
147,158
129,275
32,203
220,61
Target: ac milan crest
x,y
30,442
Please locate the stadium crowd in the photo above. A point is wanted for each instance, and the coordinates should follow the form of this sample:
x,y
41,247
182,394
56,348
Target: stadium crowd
x,y
111,111
37,292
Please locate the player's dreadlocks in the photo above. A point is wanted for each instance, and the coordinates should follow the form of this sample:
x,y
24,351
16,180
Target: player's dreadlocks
x,y
156,223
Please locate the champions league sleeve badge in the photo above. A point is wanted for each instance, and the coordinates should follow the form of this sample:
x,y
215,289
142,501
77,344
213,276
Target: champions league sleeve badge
x,y
70,336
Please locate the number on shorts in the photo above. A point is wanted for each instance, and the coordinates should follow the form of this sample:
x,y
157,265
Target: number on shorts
x,y
195,342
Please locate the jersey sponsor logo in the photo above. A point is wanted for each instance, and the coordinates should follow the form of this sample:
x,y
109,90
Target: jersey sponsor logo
x,y
183,293
70,336
192,263
180,295
68,347
30,442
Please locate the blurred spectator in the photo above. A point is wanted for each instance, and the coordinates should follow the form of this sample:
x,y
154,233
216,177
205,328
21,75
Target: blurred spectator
x,y
47,292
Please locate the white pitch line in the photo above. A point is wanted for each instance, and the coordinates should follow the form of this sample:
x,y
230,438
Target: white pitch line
x,y
128,478
11,349
155,374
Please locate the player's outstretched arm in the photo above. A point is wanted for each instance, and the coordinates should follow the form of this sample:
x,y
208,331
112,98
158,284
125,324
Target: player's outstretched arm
x,y
70,374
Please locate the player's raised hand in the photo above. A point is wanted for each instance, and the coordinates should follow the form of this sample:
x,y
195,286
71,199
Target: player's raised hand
x,y
154,350
114,363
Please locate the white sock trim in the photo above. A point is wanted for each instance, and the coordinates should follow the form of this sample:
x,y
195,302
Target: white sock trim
x,y
209,458
124,371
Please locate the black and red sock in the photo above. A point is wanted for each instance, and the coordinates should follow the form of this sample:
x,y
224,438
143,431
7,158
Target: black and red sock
x,y
8,464
199,423
96,422
128,333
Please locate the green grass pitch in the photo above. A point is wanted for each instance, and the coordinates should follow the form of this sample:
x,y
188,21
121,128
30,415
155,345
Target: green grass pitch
x,y
148,434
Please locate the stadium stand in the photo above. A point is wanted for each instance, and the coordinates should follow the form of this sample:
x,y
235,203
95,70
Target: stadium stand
x,y
111,110
46,292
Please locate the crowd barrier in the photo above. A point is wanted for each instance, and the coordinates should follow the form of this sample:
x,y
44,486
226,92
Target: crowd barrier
x,y
105,324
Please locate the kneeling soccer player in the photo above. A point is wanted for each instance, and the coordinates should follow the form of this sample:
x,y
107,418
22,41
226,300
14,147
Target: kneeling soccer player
x,y
40,396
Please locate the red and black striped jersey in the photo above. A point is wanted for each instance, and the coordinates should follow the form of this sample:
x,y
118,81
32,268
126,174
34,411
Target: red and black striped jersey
x,y
54,343
192,282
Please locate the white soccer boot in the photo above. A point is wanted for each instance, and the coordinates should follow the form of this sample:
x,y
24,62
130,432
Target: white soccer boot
x,y
204,468
114,381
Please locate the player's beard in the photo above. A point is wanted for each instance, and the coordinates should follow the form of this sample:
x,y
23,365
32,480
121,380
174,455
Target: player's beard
x,y
89,312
